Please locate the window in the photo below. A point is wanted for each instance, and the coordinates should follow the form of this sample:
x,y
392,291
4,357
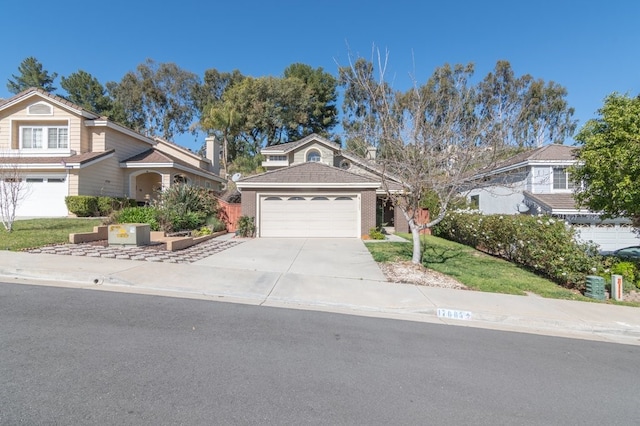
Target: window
x,y
277,158
319,199
45,137
313,156
562,179
296,198
474,202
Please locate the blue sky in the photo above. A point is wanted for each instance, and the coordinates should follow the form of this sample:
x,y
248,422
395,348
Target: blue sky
x,y
590,47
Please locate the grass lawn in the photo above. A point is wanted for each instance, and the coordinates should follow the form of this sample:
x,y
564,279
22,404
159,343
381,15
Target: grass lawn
x,y
40,232
473,268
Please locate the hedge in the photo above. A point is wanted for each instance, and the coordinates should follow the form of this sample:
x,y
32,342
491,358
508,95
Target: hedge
x,y
545,245
92,206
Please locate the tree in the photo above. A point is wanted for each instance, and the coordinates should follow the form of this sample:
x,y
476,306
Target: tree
x,y
13,190
31,75
322,115
607,176
435,136
157,99
86,91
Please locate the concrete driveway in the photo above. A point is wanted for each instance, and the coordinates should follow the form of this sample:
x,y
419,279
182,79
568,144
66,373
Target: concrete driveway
x,y
309,257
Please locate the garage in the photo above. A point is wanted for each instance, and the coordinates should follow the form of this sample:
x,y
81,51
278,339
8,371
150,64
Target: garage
x,y
309,215
44,191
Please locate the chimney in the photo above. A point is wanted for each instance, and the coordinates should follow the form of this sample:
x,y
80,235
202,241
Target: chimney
x,y
212,153
372,152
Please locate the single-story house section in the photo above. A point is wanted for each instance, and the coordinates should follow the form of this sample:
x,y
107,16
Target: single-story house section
x,y
61,149
313,189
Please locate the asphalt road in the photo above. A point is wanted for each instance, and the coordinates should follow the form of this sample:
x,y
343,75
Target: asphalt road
x,y
83,357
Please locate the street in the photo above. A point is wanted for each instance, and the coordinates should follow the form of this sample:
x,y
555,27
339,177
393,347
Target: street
x,y
85,357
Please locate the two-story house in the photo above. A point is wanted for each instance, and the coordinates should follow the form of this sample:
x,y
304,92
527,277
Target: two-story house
x,y
313,189
538,182
60,149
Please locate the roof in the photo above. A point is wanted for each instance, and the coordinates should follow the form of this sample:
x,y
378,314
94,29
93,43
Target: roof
x,y
57,161
154,157
555,203
284,148
544,154
55,98
315,173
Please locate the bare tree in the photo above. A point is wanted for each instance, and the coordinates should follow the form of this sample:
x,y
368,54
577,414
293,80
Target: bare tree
x,y
431,138
13,190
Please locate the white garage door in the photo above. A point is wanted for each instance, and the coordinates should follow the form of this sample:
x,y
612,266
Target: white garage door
x,y
309,216
44,197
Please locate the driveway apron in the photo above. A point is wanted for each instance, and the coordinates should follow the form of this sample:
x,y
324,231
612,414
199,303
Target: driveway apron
x,y
310,257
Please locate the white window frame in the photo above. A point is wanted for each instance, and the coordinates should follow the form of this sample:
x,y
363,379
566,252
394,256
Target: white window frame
x,y
313,151
45,142
568,184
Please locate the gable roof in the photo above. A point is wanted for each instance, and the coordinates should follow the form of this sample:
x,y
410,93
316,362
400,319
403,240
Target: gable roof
x,y
548,154
285,148
58,100
155,158
311,175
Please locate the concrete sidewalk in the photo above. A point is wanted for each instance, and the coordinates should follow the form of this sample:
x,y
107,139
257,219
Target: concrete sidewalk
x,y
326,275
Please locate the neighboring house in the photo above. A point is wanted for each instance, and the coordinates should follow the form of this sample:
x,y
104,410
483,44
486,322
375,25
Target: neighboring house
x,y
313,189
537,182
61,149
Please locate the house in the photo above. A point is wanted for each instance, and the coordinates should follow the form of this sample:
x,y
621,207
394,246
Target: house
x,y
311,188
538,182
60,149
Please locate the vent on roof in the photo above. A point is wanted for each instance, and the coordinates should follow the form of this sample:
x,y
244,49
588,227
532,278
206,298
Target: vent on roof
x,y
40,109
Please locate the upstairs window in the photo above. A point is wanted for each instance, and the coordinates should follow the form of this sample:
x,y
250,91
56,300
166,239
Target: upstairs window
x,y
313,156
562,179
277,158
45,137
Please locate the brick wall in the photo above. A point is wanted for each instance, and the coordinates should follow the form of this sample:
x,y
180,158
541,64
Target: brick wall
x,y
368,211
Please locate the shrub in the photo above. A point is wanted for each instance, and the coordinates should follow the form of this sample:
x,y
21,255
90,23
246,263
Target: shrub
x,y
542,244
90,206
215,224
246,226
629,272
138,215
205,230
82,205
184,207
376,234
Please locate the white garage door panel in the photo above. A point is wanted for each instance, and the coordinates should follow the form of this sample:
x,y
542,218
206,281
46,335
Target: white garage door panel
x,y
309,216
44,198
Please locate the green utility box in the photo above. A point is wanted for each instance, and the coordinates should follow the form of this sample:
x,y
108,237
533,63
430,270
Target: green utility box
x,y
595,287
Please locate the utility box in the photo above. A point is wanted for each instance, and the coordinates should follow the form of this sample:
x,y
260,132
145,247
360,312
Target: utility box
x,y
595,287
129,234
616,287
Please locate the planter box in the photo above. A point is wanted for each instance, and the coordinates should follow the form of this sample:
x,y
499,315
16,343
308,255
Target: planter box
x,y
129,234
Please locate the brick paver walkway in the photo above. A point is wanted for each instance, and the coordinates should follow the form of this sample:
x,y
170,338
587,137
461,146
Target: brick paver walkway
x,y
144,253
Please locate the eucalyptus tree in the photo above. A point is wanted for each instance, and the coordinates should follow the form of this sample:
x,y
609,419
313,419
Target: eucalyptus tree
x,y
157,99
31,74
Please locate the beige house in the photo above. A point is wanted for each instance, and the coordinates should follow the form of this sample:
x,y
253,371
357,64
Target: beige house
x,y
313,189
61,149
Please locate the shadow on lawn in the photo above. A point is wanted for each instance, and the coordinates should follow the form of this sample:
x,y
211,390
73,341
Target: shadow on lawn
x,y
432,254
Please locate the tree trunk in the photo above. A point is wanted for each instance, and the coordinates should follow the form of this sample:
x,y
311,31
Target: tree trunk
x,y
417,248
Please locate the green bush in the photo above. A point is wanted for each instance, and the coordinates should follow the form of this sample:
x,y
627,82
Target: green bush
x,y
629,272
542,244
91,206
246,226
138,215
216,224
82,205
185,207
376,234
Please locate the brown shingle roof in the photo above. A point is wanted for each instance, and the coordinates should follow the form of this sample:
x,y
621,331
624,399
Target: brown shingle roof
x,y
553,202
289,146
308,173
552,152
73,159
